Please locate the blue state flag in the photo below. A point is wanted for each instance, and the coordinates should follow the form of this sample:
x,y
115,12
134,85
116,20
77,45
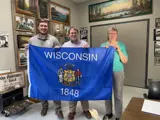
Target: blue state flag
x,y
70,74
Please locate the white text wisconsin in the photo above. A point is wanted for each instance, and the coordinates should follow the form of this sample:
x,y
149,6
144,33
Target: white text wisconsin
x,y
71,56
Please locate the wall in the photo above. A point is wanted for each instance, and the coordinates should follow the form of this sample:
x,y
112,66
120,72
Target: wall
x,y
7,55
153,71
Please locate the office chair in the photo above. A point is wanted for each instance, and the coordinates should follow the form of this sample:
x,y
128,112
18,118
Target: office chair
x,y
153,90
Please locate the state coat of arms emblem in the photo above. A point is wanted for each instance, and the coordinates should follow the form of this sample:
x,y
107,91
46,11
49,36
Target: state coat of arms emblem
x,y
69,75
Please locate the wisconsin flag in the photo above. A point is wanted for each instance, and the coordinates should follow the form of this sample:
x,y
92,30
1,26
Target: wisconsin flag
x,y
70,74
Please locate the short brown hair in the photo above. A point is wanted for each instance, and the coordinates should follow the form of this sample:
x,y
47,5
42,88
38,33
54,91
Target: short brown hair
x,y
73,29
45,20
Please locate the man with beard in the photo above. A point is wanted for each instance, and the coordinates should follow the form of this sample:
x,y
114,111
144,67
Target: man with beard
x,y
75,43
43,39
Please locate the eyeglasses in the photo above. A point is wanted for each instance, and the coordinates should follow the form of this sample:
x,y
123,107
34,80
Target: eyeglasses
x,y
73,33
113,33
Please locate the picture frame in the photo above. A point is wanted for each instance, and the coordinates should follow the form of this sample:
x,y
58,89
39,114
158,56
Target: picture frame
x,y
157,22
66,33
58,32
24,23
4,40
156,34
157,49
84,33
156,61
22,40
59,13
116,9
26,7
22,58
43,9
58,28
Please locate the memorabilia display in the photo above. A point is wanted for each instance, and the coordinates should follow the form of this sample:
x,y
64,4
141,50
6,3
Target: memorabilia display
x,y
59,13
115,9
11,81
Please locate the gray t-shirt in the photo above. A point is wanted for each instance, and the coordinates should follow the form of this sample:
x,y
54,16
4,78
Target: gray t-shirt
x,y
40,41
77,44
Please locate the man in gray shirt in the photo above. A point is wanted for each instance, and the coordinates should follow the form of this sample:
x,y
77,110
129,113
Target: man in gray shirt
x,y
75,43
43,39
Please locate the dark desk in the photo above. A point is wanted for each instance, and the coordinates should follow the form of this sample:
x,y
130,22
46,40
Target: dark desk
x,y
133,111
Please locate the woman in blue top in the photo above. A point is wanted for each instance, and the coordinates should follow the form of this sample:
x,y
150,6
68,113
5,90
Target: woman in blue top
x,y
120,57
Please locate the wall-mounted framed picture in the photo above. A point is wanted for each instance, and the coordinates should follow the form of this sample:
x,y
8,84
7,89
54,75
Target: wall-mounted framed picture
x,y
157,22
156,34
66,33
58,32
22,58
115,9
59,13
43,8
157,49
58,29
24,23
84,33
3,40
25,7
22,40
156,61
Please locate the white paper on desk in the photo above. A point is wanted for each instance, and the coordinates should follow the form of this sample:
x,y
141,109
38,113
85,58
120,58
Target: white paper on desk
x,y
151,107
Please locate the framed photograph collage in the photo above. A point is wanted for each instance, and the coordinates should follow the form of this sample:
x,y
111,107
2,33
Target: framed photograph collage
x,y
156,38
24,27
27,12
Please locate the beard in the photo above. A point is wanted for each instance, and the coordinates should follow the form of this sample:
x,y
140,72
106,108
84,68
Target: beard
x,y
74,41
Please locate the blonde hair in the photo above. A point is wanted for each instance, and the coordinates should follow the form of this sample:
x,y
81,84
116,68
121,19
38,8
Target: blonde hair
x,y
111,29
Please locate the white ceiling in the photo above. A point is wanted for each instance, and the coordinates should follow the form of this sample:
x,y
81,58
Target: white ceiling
x,y
79,1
